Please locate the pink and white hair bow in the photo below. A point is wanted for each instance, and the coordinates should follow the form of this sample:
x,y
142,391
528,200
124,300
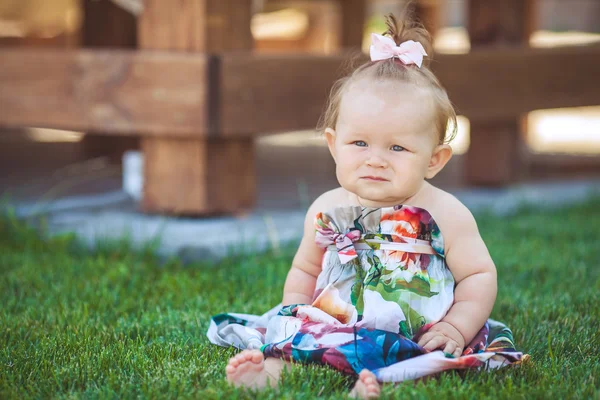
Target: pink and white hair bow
x,y
409,52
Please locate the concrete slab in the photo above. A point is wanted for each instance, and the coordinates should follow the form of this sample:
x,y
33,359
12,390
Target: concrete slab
x,y
114,216
84,196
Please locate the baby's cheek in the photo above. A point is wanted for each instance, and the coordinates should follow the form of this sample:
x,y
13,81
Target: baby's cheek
x,y
340,173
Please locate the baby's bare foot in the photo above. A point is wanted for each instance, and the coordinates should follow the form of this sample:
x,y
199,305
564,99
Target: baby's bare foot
x,y
247,369
366,387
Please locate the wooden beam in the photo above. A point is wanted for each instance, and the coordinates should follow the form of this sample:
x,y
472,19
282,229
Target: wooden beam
x,y
209,26
501,23
116,91
265,93
496,84
552,165
269,93
354,15
107,25
198,175
429,13
156,93
494,156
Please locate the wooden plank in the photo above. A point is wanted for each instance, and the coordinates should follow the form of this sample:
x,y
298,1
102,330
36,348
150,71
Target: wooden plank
x,y
500,83
107,25
216,175
552,165
269,93
229,26
494,153
354,14
203,175
168,25
429,13
494,156
114,91
209,26
168,192
231,184
501,23
158,93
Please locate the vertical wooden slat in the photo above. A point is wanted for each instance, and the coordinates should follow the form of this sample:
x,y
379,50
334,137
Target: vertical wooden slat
x,y
429,13
175,172
198,176
497,23
496,148
354,14
106,25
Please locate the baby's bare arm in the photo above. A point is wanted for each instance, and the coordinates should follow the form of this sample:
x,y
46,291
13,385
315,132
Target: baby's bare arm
x,y
306,266
302,278
474,273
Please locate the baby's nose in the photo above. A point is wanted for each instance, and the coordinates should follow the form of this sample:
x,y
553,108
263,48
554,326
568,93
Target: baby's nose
x,y
375,160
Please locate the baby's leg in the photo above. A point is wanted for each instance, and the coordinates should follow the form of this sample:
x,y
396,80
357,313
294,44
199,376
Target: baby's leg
x,y
366,387
250,369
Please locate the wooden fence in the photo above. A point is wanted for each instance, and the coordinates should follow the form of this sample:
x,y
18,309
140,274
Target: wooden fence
x,y
197,95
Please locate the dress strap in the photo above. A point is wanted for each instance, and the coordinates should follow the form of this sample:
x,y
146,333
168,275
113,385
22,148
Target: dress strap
x,y
418,246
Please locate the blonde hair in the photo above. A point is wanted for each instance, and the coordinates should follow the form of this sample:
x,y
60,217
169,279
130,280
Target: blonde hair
x,y
396,71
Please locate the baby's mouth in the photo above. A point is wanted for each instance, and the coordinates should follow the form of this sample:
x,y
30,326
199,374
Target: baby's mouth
x,y
374,178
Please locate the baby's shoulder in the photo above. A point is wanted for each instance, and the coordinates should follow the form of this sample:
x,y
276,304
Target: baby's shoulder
x,y
328,200
450,214
323,203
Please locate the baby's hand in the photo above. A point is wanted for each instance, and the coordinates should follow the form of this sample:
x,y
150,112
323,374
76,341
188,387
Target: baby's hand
x,y
445,337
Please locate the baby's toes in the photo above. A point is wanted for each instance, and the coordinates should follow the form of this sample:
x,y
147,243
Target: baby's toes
x,y
238,359
244,356
233,361
230,369
366,376
255,356
371,384
373,387
232,365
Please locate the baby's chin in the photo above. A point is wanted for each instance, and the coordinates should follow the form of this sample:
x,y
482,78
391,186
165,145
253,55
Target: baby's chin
x,y
369,200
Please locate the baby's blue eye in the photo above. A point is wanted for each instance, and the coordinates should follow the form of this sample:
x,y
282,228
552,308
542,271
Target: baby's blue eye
x,y
360,143
397,148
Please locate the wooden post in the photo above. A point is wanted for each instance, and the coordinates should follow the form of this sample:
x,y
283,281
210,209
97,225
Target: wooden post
x,y
429,13
106,25
353,22
495,153
205,175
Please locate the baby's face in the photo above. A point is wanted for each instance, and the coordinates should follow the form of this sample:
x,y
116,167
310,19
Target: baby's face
x,y
384,139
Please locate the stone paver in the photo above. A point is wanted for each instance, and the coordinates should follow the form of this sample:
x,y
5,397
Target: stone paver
x,y
112,217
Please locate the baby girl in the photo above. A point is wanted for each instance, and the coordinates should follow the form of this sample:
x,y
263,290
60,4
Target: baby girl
x,y
392,280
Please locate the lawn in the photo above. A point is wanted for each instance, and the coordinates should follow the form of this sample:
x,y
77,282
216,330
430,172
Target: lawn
x,y
119,323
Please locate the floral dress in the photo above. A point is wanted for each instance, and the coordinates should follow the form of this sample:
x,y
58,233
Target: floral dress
x,y
384,282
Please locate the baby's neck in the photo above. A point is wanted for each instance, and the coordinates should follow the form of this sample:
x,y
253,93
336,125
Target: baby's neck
x,y
410,200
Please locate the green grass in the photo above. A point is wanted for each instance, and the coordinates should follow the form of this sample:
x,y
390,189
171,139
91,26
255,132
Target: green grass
x,y
120,324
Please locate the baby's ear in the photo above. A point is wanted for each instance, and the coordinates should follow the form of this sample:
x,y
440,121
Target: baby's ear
x,y
330,137
440,157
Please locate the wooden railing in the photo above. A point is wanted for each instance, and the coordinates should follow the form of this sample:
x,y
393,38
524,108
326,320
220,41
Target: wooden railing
x,y
158,93
197,103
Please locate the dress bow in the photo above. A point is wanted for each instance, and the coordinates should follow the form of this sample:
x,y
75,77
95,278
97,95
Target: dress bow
x,y
344,242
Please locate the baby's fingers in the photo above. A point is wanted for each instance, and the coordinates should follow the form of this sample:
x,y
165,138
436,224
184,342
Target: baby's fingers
x,y
435,343
458,352
450,347
427,337
453,349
